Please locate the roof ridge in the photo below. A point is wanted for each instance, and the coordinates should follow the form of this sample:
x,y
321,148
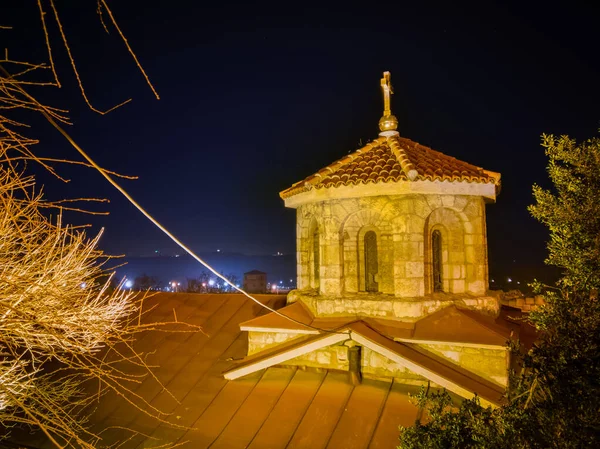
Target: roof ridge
x,y
407,166
420,147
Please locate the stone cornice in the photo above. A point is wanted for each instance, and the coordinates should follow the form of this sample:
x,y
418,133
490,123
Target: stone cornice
x,y
486,190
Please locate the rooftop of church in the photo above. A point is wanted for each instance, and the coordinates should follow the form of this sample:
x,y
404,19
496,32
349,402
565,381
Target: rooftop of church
x,y
391,159
278,407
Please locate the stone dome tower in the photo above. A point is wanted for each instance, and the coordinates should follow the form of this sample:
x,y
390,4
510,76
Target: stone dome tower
x,y
392,224
391,262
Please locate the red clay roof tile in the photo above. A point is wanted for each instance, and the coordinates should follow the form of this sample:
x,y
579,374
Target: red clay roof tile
x,y
392,159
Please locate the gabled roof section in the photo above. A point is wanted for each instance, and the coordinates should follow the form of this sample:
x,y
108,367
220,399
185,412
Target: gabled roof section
x,y
418,360
454,325
393,159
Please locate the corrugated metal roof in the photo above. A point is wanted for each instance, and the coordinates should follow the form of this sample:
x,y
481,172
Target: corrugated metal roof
x,y
278,407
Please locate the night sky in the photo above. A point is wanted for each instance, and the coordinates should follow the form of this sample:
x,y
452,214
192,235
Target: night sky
x,y
255,97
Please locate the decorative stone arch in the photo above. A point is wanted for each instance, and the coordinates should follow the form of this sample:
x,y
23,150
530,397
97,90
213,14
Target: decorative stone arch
x,y
368,269
314,251
308,222
451,226
353,231
437,258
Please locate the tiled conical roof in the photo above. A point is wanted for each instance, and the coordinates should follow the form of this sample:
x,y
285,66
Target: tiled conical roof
x,y
392,159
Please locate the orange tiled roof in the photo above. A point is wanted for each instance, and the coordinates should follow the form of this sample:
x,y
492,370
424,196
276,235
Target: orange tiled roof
x,y
392,159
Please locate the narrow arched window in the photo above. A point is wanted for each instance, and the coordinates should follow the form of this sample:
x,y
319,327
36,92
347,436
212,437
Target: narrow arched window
x,y
316,258
436,259
371,262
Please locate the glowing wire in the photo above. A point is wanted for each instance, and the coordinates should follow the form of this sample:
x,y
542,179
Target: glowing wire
x,y
152,219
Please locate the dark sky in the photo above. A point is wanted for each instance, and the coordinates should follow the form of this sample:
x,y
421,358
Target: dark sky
x,y
257,96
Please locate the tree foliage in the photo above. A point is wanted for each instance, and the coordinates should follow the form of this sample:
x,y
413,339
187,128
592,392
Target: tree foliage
x,y
554,402
571,211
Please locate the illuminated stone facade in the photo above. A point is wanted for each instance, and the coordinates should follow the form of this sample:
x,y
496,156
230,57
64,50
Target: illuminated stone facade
x,y
397,248
392,264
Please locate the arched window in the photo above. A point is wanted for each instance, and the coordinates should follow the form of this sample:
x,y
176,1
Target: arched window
x,y
436,259
316,256
371,262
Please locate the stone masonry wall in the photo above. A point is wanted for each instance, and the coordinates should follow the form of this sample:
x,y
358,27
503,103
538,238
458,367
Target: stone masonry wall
x,y
257,341
389,306
379,366
403,225
491,364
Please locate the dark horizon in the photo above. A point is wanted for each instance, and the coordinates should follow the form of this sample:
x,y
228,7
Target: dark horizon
x,y
256,97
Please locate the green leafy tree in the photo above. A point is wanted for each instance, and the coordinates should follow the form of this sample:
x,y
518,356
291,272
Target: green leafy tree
x,y
554,402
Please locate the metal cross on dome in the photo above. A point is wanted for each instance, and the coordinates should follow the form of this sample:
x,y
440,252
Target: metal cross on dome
x,y
387,123
386,86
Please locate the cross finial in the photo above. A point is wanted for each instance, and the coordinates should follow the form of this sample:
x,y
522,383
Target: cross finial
x,y
388,123
388,90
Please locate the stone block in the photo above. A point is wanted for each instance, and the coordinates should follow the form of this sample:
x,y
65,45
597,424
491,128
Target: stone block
x,y
456,257
403,206
434,201
351,283
408,309
406,251
421,208
457,272
474,208
448,200
416,225
478,287
324,358
331,271
458,286
539,300
415,269
331,287
460,202
529,301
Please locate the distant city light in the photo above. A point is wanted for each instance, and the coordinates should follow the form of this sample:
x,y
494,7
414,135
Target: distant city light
x,y
211,282
204,284
273,287
493,280
281,282
218,250
128,283
237,285
509,280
